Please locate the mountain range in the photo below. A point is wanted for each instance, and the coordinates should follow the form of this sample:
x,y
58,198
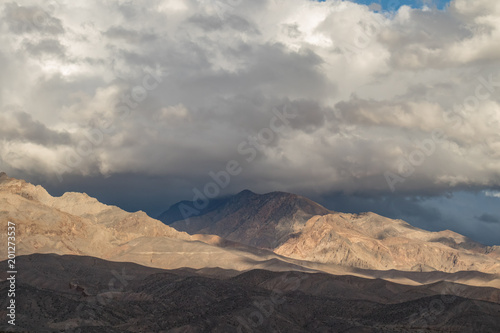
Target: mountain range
x,y
352,272
296,227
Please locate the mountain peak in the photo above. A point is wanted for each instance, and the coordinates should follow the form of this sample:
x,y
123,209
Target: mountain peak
x,y
262,220
246,192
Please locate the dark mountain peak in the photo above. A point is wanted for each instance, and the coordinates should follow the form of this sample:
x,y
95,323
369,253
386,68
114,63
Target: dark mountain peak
x,y
271,206
281,195
246,192
187,209
262,220
243,196
276,195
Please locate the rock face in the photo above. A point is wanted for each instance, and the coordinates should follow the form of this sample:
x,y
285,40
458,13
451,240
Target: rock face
x,y
73,223
265,221
296,227
78,224
375,242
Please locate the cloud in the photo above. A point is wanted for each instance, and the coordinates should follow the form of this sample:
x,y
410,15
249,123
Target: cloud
x,y
493,194
172,88
130,36
30,19
18,125
45,46
487,218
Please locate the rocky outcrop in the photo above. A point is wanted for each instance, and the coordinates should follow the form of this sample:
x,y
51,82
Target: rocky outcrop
x,y
372,241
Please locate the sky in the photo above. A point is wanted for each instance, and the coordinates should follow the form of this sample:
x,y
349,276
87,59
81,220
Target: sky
x,y
392,5
391,107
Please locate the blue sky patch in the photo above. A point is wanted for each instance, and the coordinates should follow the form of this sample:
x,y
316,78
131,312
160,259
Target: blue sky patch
x,y
395,4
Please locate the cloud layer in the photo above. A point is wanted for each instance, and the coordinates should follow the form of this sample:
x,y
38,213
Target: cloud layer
x,y
405,101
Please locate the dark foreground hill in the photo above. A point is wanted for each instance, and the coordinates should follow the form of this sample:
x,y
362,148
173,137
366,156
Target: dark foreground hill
x,y
84,294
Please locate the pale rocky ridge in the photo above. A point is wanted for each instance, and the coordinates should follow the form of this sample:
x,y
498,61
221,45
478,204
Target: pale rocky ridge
x,y
78,224
374,242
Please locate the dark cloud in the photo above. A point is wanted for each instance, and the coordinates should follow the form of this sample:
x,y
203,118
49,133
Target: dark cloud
x,y
20,126
488,218
214,23
29,19
45,46
437,30
130,36
224,74
184,83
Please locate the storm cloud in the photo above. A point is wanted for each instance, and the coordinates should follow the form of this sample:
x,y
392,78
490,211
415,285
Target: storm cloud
x,y
487,218
386,102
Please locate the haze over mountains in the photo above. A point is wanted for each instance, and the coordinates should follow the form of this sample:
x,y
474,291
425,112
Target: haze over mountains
x,y
211,272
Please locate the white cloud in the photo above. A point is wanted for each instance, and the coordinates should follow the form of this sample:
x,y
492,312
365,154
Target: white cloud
x,y
493,194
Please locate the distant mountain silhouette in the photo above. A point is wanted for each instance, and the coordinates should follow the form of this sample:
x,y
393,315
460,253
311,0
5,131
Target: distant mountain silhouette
x,y
262,220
